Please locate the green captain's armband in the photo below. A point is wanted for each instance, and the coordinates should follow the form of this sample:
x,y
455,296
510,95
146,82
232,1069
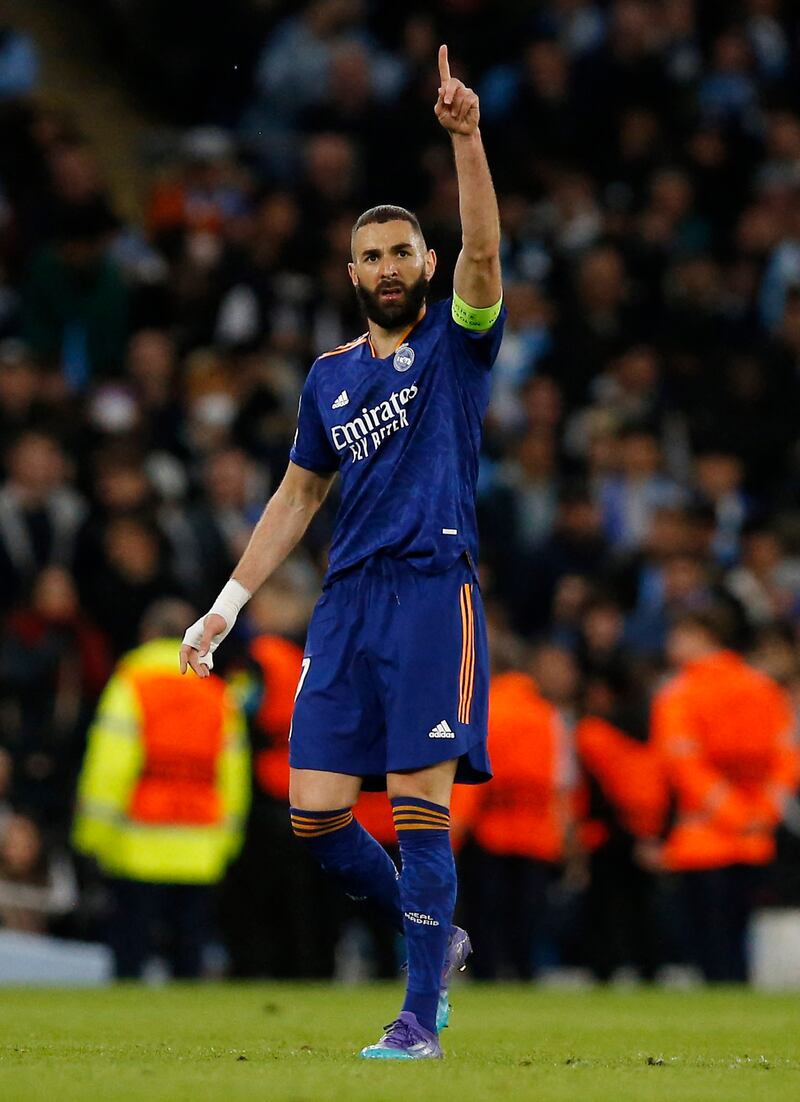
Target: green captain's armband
x,y
478,320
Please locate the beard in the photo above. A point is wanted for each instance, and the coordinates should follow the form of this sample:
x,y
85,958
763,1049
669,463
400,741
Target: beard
x,y
393,315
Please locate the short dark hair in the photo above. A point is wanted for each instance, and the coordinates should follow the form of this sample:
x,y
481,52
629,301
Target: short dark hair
x,y
715,622
385,213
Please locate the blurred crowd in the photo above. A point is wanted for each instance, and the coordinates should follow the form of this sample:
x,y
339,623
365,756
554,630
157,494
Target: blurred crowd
x,y
640,462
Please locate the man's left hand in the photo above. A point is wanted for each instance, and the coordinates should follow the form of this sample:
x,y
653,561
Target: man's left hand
x,y
457,107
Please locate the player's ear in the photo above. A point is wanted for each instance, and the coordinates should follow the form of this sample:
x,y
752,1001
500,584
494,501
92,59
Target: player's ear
x,y
351,271
430,263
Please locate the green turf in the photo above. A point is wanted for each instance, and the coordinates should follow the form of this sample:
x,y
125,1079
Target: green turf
x,y
297,1043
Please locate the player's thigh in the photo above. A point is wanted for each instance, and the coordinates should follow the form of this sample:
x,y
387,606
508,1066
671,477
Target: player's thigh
x,y
337,727
434,676
434,783
317,790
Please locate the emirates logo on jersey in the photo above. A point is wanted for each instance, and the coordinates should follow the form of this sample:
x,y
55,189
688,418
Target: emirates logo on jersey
x,y
366,432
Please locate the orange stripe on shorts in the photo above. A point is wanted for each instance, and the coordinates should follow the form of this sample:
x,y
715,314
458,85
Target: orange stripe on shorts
x,y
466,676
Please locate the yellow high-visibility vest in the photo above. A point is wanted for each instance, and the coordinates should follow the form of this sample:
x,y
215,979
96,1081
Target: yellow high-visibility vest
x,y
165,783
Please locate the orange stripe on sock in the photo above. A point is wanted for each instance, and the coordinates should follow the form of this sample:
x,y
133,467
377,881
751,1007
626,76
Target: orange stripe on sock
x,y
311,828
315,833
413,816
413,821
427,813
317,819
303,832
399,808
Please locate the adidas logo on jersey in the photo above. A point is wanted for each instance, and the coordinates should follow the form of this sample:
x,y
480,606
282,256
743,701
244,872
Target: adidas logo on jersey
x,y
442,730
342,400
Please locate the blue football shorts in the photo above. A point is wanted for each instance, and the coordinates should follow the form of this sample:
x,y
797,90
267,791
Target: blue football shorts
x,y
395,675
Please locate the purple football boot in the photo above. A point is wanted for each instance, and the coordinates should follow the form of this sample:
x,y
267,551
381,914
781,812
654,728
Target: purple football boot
x,y
405,1039
459,948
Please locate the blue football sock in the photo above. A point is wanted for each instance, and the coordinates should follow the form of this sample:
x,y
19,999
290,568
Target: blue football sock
x,y
428,897
353,857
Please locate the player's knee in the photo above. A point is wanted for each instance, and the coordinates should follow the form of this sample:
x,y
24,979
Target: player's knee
x,y
434,783
318,790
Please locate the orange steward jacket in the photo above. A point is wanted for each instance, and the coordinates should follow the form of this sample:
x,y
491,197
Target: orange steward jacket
x,y
523,811
726,735
630,775
280,662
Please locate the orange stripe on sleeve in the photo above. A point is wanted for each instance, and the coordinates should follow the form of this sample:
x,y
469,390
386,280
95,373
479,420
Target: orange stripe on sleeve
x,y
345,347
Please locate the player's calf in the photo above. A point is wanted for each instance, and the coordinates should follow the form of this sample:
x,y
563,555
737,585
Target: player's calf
x,y
427,895
352,856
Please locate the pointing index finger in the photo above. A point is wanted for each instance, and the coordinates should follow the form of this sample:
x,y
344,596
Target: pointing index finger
x,y
444,65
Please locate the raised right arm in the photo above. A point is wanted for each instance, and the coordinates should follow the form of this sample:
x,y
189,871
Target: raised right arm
x,y
280,528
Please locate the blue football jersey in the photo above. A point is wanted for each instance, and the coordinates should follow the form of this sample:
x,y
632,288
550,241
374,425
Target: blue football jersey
x,y
405,434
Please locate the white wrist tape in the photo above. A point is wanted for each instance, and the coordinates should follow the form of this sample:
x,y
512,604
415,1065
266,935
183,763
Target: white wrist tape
x,y
231,600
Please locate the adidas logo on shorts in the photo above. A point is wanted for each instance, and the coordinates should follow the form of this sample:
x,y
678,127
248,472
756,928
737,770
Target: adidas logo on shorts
x,y
442,730
342,400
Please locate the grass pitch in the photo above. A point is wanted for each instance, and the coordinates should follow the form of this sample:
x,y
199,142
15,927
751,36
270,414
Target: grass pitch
x,y
297,1043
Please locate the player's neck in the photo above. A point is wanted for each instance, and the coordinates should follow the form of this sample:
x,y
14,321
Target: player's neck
x,y
386,341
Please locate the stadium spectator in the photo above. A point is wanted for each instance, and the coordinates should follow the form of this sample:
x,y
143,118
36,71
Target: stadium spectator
x,y
525,344
53,665
294,68
152,369
773,653
36,886
687,586
719,478
629,498
600,646
75,303
229,509
21,405
519,510
162,799
767,580
209,192
576,547
39,513
132,574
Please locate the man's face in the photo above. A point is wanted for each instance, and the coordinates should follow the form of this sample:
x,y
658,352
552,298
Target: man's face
x,y
685,644
391,270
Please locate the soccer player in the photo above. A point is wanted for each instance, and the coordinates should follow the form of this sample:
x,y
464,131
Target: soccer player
x,y
393,689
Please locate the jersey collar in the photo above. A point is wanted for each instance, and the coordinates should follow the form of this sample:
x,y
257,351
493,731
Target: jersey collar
x,y
402,339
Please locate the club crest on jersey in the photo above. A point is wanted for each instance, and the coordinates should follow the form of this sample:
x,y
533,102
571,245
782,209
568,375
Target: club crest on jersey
x,y
403,357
